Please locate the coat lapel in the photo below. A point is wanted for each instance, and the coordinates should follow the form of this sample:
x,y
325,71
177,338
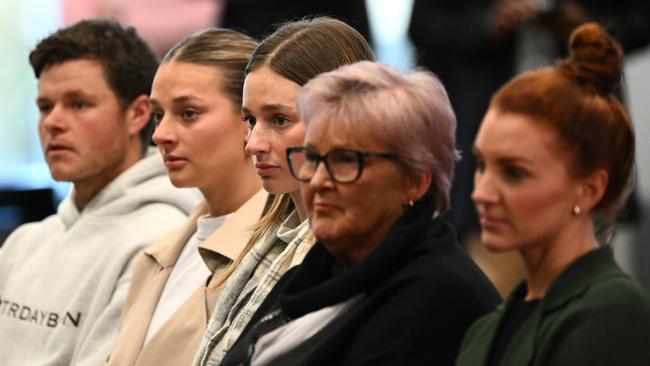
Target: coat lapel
x,y
149,277
189,321
165,253
224,246
526,345
231,238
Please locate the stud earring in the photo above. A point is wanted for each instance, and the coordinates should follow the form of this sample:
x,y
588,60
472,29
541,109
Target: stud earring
x,y
577,210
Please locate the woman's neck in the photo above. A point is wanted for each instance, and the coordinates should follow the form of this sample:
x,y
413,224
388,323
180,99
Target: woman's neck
x,y
228,196
546,261
296,197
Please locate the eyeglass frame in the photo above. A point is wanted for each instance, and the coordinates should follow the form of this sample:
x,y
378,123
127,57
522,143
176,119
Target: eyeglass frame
x,y
361,156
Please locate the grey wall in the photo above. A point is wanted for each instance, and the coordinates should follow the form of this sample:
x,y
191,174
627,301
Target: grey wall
x,y
633,246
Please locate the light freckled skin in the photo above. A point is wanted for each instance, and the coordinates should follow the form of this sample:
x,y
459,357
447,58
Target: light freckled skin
x,y
523,191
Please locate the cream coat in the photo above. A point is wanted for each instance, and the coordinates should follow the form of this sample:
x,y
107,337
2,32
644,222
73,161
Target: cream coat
x,y
176,342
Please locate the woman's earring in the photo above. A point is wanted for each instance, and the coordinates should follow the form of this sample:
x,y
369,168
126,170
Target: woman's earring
x,y
577,210
410,203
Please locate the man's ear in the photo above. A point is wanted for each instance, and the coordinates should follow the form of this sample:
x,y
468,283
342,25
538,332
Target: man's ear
x,y
138,114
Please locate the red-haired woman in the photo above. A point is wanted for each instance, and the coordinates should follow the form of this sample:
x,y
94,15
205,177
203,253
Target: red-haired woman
x,y
556,155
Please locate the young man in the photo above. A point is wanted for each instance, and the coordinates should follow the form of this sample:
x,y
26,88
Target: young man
x,y
63,280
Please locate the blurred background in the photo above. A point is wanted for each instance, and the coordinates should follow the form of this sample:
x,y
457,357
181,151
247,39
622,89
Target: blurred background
x,y
474,46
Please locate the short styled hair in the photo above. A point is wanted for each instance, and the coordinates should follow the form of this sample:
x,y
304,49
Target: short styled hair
x,y
410,113
128,62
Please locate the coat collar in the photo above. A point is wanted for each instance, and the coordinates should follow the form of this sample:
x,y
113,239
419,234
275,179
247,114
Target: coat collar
x,y
591,268
570,284
166,251
228,241
231,238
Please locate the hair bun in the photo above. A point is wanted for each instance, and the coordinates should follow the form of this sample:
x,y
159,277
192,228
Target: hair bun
x,y
595,58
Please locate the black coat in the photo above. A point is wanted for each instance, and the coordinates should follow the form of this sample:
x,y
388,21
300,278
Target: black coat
x,y
420,292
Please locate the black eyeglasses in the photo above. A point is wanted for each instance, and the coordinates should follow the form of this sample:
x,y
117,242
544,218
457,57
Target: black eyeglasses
x,y
343,165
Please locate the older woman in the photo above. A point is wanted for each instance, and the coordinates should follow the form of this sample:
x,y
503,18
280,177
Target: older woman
x,y
386,282
555,152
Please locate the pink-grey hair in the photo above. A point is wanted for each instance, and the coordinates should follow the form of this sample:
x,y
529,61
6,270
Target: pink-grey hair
x,y
410,113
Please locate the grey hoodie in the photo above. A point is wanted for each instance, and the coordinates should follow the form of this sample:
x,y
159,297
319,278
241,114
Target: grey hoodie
x,y
63,280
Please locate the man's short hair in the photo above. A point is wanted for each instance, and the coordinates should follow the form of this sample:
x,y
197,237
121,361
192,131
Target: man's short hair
x,y
129,63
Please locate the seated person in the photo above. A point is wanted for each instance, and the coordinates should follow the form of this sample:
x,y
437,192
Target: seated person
x,y
196,106
556,156
63,281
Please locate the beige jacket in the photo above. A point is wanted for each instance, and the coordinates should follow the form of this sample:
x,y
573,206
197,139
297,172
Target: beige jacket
x,y
177,341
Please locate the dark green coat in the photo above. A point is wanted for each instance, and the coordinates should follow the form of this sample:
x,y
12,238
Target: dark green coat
x,y
593,314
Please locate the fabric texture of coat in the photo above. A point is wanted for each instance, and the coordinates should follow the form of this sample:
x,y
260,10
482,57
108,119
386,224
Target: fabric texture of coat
x,y
177,340
593,314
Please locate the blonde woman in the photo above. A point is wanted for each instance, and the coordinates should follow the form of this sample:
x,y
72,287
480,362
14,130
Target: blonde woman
x,y
195,102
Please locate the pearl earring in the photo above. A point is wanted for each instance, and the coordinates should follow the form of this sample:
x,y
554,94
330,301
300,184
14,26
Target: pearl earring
x,y
577,210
